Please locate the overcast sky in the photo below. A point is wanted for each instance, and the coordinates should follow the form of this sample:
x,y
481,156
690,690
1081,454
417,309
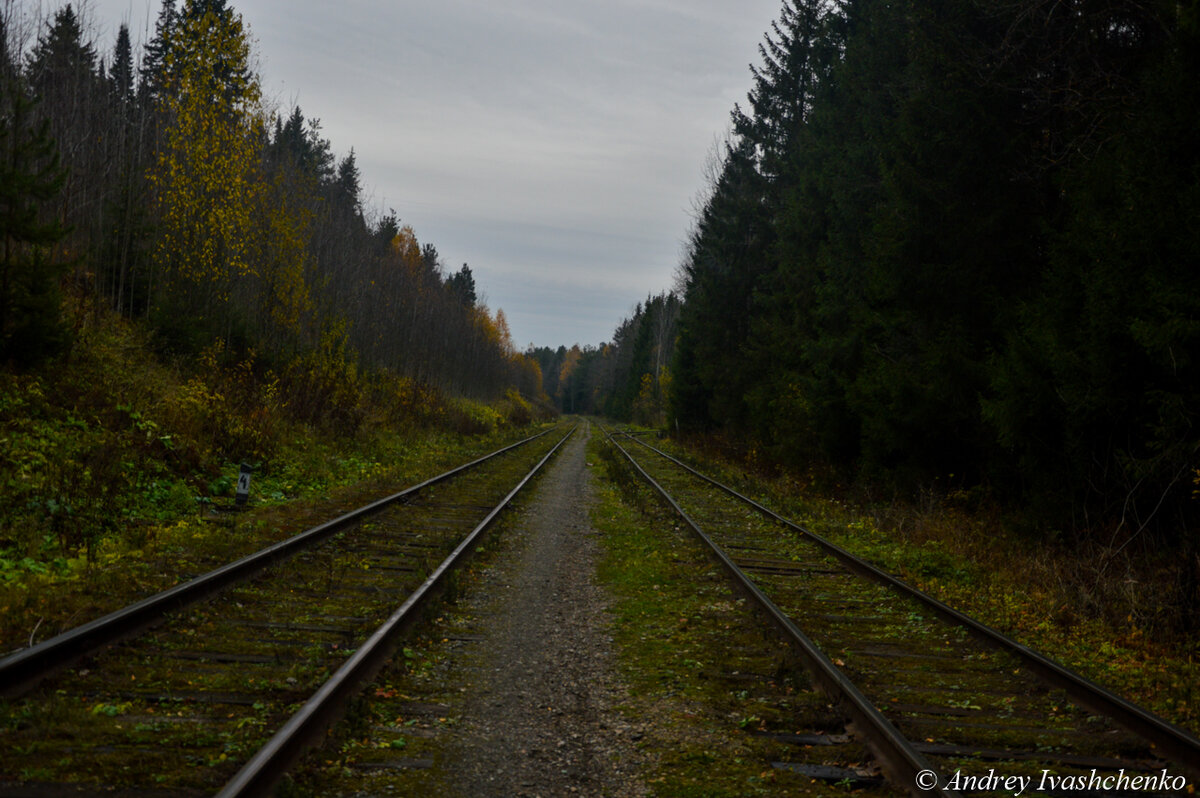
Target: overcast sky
x,y
556,146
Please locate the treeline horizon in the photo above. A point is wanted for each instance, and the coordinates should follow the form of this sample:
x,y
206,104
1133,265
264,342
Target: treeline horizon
x,y
154,183
957,243
627,378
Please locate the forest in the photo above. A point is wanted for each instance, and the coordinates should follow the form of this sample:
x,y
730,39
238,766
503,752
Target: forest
x,y
190,279
939,302
166,192
949,242
954,242
627,378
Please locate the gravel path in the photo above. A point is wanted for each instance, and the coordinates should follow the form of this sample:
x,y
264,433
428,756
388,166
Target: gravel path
x,y
540,714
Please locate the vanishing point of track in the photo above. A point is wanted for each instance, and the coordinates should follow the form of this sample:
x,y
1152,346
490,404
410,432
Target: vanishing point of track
x,y
223,682
944,704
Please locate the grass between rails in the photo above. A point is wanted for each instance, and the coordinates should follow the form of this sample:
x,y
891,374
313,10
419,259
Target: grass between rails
x,y
702,677
1053,598
703,674
318,601
394,737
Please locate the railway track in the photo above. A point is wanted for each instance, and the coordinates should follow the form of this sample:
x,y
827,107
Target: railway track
x,y
945,705
220,684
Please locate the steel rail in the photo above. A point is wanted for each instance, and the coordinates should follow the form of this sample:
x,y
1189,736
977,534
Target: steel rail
x,y
896,756
308,726
21,671
1172,742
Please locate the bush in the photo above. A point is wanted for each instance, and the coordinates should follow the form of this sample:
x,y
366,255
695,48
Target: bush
x,y
322,386
226,412
471,418
517,411
405,403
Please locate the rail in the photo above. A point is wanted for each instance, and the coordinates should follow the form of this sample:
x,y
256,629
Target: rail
x,y
1171,741
896,756
21,671
307,727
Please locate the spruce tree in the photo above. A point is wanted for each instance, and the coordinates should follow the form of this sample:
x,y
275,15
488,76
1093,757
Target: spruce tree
x,y
61,54
462,285
785,83
347,186
154,63
121,73
729,253
30,176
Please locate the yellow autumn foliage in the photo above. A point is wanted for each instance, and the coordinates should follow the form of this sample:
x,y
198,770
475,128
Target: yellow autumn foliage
x,y
283,258
203,181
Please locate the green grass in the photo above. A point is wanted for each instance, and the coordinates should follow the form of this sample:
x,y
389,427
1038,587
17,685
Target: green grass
x,y
703,675
1051,598
314,481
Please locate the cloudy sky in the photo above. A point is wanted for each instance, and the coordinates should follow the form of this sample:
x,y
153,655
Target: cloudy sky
x,y
556,146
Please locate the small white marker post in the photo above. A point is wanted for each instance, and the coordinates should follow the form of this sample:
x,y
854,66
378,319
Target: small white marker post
x,y
243,486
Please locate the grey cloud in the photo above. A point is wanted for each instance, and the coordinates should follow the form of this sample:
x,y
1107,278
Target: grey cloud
x,y
555,146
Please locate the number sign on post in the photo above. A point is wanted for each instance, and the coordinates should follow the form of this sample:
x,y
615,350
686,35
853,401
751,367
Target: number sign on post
x,y
243,486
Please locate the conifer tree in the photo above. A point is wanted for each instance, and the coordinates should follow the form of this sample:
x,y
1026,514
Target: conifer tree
x,y
785,83
347,186
462,285
121,73
30,176
154,62
61,55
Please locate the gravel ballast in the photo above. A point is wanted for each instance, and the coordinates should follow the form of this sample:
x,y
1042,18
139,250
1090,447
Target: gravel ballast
x,y
539,714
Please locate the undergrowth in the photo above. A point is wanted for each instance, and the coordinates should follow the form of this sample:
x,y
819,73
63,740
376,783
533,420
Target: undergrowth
x,y
112,454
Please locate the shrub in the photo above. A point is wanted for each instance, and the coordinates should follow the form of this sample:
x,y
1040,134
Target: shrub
x,y
467,417
322,386
516,409
406,403
226,412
